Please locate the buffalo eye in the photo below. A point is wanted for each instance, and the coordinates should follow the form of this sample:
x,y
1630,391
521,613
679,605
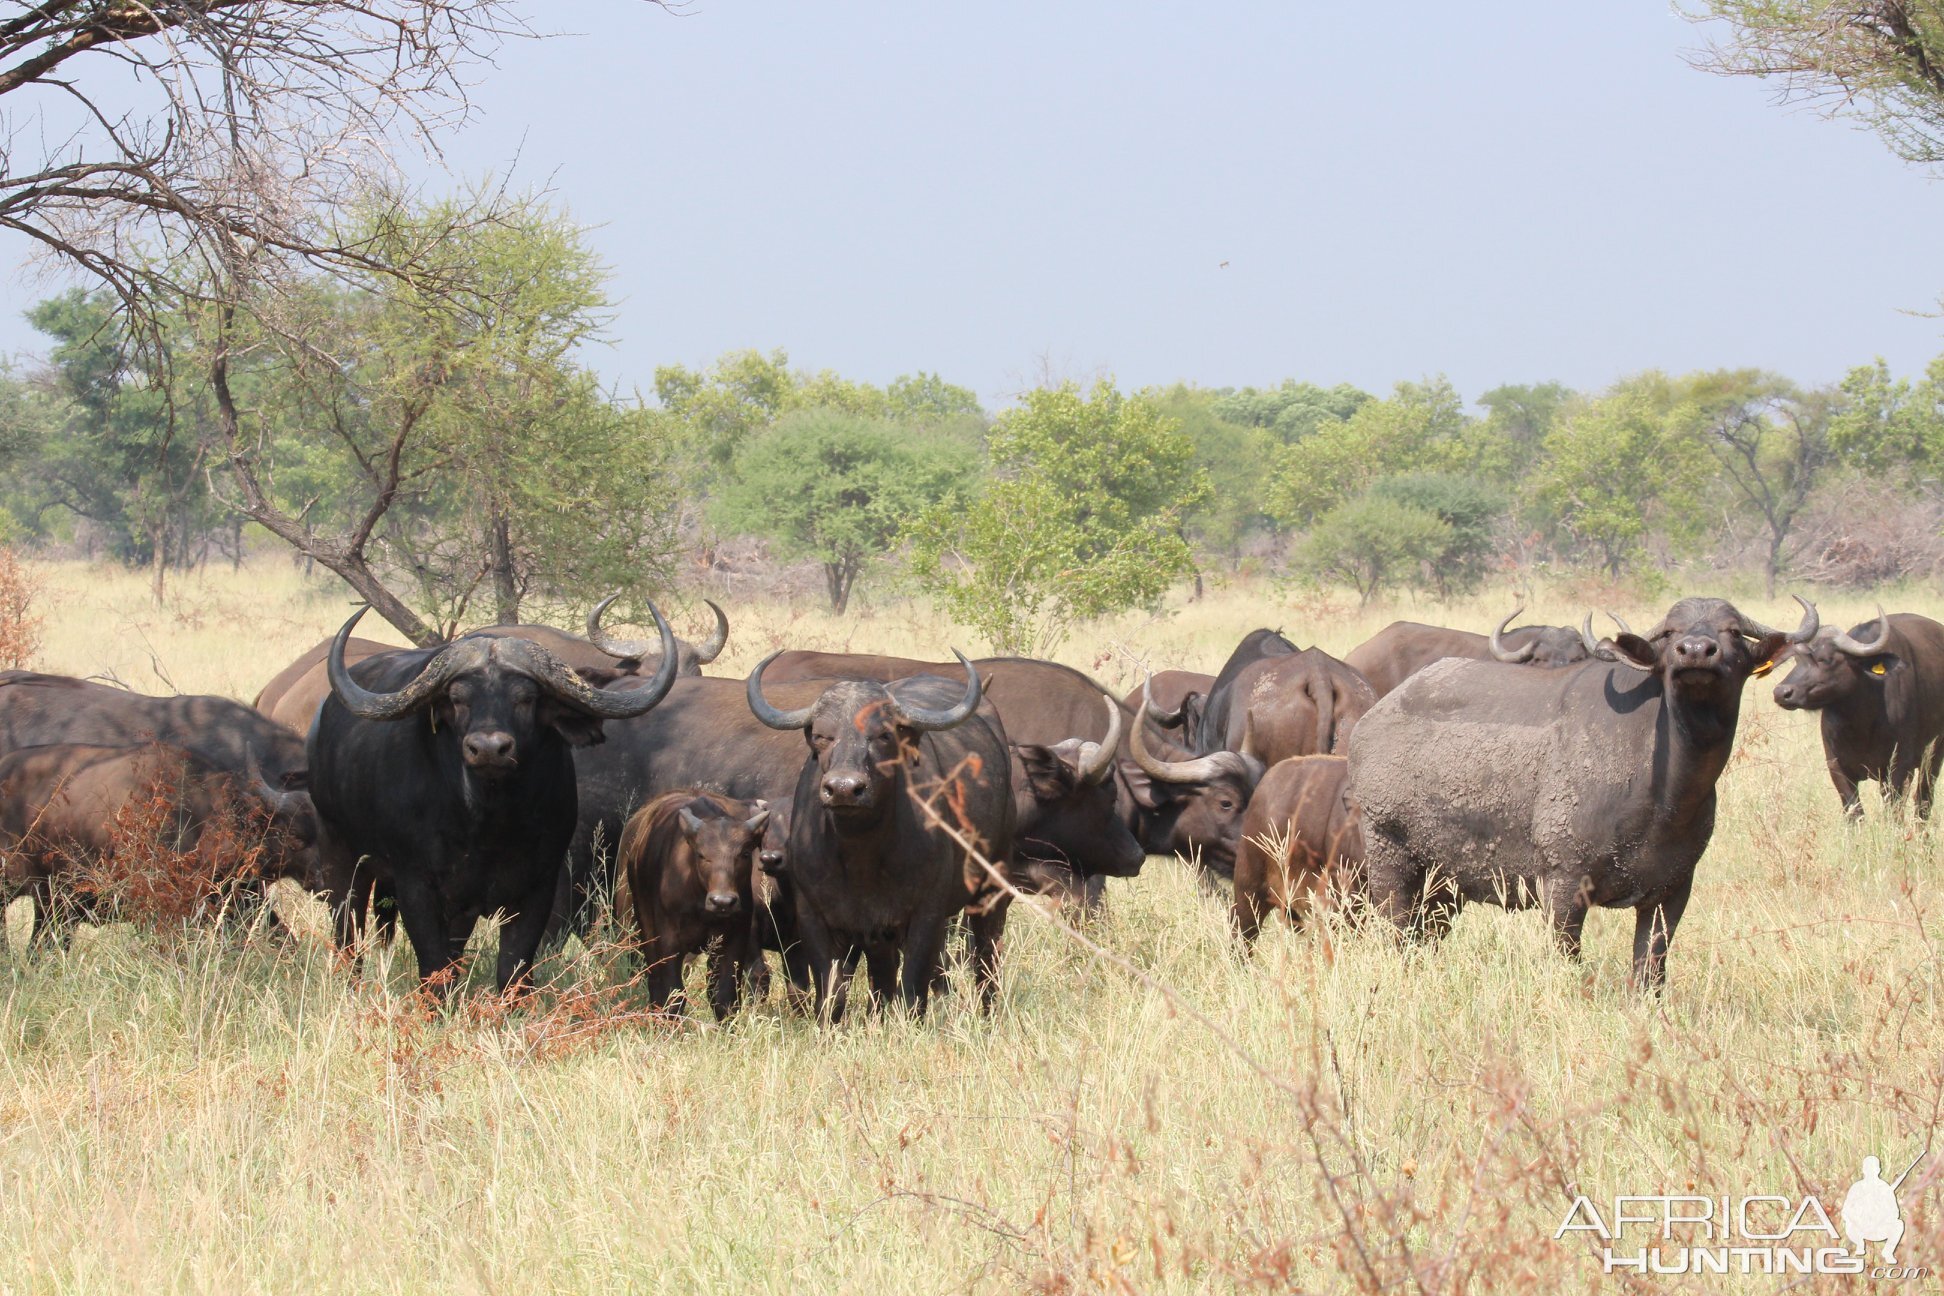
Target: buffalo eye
x,y
821,742
1225,803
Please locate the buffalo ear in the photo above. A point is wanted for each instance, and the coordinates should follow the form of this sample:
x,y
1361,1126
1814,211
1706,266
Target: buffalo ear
x,y
295,781
1769,650
1147,794
601,676
1047,774
575,726
1637,651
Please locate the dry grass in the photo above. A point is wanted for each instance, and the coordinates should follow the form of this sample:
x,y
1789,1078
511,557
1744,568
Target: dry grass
x,y
235,1114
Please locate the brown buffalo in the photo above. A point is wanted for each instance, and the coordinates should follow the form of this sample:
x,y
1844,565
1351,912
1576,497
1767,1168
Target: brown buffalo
x,y
1302,703
1300,839
1403,648
1176,699
66,808
688,860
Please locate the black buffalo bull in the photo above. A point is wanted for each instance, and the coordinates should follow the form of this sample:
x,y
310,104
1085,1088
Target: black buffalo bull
x,y
899,793
1403,648
1565,789
292,696
445,775
1879,689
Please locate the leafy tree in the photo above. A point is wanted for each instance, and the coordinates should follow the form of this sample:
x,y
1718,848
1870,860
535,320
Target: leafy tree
x,y
716,409
452,441
1293,410
1080,515
1237,459
1772,443
1881,61
1619,465
1467,507
839,488
928,397
1373,541
119,449
1518,417
1422,427
1886,425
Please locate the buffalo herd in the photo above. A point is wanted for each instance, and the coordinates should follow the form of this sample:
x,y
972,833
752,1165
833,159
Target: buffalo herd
x,y
845,808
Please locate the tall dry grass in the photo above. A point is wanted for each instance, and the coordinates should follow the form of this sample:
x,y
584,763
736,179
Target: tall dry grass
x,y
238,1114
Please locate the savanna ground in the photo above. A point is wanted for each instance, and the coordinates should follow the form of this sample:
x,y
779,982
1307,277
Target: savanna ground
x,y
182,1111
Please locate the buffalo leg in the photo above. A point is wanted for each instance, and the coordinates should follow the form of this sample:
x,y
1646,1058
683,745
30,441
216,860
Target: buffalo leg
x,y
1252,869
923,946
1567,907
419,909
1846,790
1093,891
521,936
988,932
881,965
821,962
664,976
1654,926
726,961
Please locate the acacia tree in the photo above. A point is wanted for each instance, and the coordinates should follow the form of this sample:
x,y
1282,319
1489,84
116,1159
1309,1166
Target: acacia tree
x,y
462,447
1772,444
262,143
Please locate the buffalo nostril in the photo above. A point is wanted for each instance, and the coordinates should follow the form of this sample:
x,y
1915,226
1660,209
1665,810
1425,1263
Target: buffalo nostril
x,y
489,746
771,861
723,902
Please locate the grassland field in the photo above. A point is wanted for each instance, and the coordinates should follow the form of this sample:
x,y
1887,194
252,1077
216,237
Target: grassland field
x,y
195,1112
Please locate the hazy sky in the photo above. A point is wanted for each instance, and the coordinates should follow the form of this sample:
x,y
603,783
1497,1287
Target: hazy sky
x,y
1499,192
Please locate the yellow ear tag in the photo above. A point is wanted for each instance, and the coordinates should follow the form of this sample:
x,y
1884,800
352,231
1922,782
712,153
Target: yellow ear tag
x,y
1876,668
1764,668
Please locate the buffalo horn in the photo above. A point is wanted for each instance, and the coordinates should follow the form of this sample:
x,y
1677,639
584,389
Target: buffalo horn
x,y
608,704
1097,759
711,648
925,720
366,705
760,707
1801,634
1514,655
1199,770
1857,648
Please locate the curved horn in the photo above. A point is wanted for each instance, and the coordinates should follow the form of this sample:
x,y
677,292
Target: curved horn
x,y
1166,719
365,704
924,720
608,704
613,647
1097,764
1614,617
1587,640
760,707
1199,770
1857,648
711,648
1801,634
1497,644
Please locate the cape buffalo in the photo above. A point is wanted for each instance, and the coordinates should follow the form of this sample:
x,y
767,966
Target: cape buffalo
x,y
1300,838
1403,648
688,861
68,806
891,781
446,774
1880,689
1171,805
1295,702
1589,785
37,710
1194,806
1176,699
292,696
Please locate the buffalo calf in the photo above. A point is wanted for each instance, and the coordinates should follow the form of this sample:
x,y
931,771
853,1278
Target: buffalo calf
x,y
689,861
1300,841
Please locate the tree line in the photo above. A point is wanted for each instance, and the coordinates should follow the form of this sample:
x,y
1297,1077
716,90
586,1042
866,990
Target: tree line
x,y
452,449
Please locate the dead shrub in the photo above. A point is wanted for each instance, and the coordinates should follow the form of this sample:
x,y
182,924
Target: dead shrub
x,y
20,629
